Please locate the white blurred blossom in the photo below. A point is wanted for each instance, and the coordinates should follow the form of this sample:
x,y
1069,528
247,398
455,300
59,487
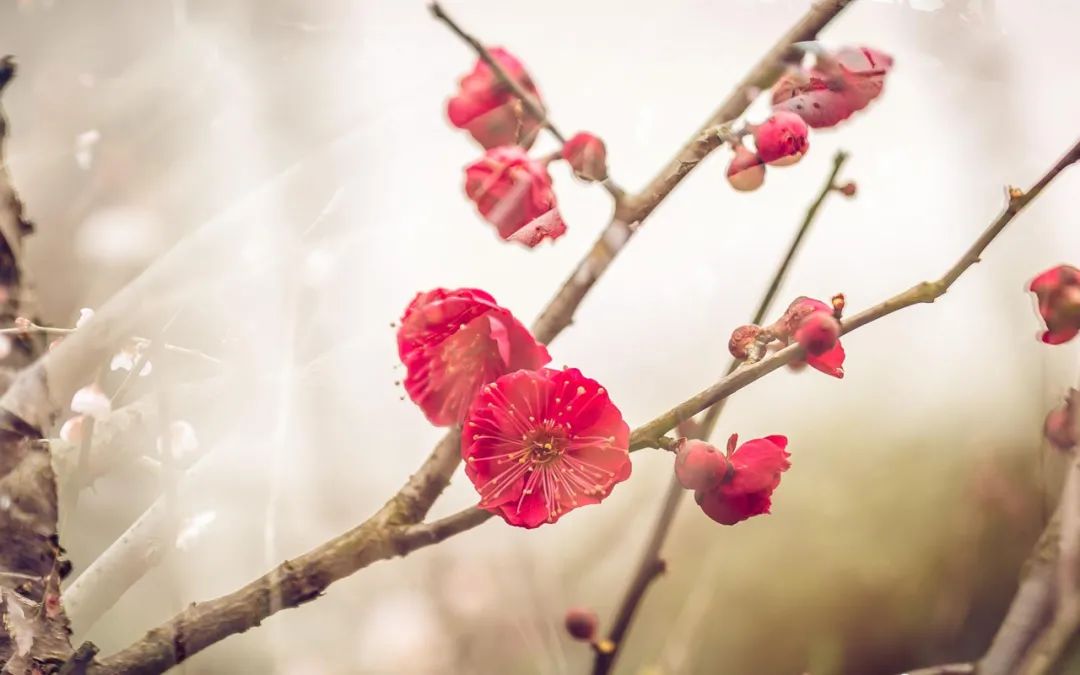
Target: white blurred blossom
x,y
72,430
193,527
84,148
182,441
92,401
85,314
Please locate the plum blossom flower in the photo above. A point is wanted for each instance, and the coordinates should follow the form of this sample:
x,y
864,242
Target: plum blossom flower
x,y
587,156
513,192
840,84
1058,293
752,475
452,342
538,444
486,108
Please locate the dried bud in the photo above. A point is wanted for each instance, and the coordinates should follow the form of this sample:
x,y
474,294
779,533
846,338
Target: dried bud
x,y
818,333
781,140
746,172
699,465
838,304
742,338
581,623
848,189
587,156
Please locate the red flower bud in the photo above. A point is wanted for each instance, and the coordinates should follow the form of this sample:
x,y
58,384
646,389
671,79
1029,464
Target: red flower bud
x,y
742,338
587,156
818,333
699,465
581,623
746,172
513,192
782,139
848,189
1058,293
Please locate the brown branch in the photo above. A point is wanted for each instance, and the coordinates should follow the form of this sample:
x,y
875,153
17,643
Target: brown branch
x,y
31,562
648,435
1052,646
531,104
651,564
633,214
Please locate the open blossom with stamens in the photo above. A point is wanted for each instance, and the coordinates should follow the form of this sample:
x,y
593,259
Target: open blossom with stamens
x,y
513,192
753,474
487,109
1058,293
538,444
454,341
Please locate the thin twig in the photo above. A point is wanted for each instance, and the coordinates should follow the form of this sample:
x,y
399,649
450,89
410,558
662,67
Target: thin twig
x,y
651,564
533,105
53,330
648,434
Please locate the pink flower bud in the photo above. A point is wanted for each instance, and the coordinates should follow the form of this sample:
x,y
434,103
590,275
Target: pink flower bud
x,y
818,333
1060,426
746,172
848,189
742,338
587,156
782,139
581,623
699,465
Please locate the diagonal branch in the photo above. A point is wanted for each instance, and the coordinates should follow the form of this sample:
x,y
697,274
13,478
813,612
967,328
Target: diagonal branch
x,y
631,215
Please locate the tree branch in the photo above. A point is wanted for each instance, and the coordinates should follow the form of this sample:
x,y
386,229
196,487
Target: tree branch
x,y
651,565
648,435
626,220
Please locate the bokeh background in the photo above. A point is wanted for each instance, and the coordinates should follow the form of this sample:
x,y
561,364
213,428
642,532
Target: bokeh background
x,y
314,133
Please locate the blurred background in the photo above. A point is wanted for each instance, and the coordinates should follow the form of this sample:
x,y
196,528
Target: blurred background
x,y
314,135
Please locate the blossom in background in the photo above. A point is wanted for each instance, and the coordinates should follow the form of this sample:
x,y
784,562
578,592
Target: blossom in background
x,y
72,429
92,401
587,156
538,444
454,341
840,84
485,107
750,475
513,192
1058,293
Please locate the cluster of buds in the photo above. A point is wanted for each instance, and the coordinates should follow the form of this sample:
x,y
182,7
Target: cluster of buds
x,y
512,190
838,84
780,140
811,323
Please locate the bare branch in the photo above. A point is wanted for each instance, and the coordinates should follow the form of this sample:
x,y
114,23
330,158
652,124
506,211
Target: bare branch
x,y
626,220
